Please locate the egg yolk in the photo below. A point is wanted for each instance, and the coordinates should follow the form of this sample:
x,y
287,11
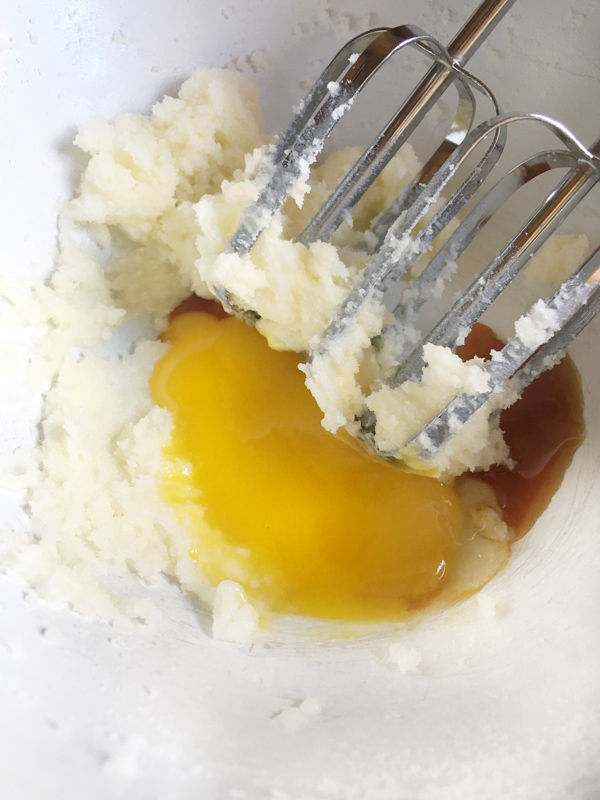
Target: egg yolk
x,y
319,525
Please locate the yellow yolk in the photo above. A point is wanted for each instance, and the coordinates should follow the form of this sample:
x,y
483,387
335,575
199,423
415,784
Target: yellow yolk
x,y
322,526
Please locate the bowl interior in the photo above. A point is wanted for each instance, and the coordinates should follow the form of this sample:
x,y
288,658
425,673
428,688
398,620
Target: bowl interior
x,y
503,705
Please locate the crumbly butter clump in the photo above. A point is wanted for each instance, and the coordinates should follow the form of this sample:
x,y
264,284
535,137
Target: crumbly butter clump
x,y
158,198
402,411
234,617
554,261
127,256
294,290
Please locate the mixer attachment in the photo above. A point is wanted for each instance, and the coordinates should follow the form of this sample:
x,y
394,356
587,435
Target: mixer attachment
x,y
541,335
333,95
406,230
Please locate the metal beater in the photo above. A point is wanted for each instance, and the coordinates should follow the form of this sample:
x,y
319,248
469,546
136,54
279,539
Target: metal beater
x,y
564,315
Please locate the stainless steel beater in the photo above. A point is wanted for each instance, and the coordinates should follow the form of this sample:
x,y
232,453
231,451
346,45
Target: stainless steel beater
x,y
400,243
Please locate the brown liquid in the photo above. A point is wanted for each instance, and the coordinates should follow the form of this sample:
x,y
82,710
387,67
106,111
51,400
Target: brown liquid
x,y
543,429
195,303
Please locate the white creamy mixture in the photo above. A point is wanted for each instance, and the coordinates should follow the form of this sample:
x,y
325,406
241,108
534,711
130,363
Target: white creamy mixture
x,y
159,197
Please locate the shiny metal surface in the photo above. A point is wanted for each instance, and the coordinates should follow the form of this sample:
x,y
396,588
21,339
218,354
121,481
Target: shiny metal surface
x,y
441,75
335,92
574,303
399,243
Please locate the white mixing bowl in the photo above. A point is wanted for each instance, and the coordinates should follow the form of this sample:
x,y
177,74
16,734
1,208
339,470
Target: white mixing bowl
x,y
503,707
